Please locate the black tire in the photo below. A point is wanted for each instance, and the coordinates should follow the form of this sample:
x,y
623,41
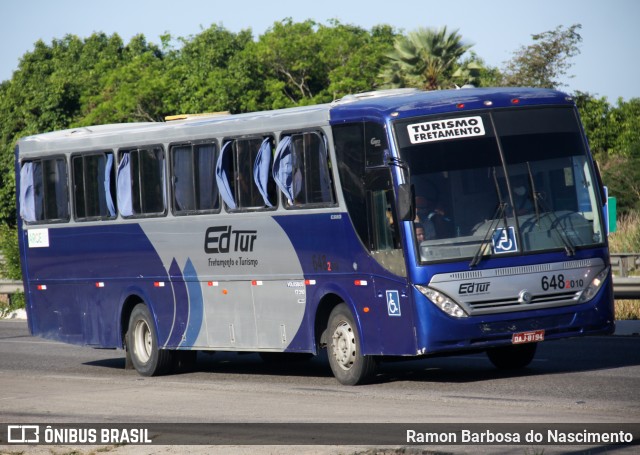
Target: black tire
x,y
142,343
512,357
348,364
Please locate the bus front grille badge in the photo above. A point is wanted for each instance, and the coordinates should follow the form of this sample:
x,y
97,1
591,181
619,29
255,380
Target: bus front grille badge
x,y
525,297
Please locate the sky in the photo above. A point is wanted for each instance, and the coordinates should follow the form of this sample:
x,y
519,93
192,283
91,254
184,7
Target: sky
x,y
608,64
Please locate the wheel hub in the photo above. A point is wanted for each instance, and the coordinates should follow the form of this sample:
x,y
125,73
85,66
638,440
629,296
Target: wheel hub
x,y
344,345
143,342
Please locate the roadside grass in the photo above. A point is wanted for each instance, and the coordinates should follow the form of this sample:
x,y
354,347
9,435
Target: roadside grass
x,y
627,309
11,304
626,239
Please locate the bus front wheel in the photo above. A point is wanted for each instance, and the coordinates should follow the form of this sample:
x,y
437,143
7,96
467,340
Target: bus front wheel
x,y
348,364
512,357
142,343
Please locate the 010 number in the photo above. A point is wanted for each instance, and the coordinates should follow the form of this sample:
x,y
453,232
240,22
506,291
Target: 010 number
x,y
560,282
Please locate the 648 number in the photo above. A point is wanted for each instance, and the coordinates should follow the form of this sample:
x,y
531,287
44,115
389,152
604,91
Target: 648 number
x,y
559,282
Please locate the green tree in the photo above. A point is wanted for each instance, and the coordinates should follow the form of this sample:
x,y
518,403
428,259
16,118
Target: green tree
x,y
134,89
614,138
426,58
621,174
473,70
202,73
358,57
628,117
306,63
599,123
621,168
44,94
73,82
545,62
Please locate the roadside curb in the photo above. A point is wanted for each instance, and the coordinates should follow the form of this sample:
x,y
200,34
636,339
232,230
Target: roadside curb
x,y
18,314
627,328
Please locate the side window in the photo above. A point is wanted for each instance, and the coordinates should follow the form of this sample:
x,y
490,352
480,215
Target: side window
x,y
193,178
385,244
350,154
360,148
301,170
243,174
361,151
141,182
383,221
44,195
93,180
376,145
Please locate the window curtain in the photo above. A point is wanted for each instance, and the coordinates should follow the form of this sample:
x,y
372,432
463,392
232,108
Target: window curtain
x,y
124,186
107,185
27,194
261,169
38,190
282,168
224,169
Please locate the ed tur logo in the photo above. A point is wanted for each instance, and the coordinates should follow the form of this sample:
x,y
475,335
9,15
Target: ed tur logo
x,y
223,239
474,288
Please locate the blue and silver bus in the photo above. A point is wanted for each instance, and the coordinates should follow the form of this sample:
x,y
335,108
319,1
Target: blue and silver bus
x,y
391,224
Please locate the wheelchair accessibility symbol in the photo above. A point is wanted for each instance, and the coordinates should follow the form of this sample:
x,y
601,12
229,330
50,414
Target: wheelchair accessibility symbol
x,y
393,303
504,240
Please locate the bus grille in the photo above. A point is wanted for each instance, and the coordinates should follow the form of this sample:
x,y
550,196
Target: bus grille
x,y
513,304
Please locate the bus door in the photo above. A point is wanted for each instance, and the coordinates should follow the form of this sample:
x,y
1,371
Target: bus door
x,y
392,307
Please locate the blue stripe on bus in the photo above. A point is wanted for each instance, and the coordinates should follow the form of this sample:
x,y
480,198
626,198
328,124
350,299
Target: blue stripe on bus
x,y
196,307
180,305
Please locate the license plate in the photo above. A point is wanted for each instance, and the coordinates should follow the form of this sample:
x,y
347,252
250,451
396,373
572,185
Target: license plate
x,y
528,337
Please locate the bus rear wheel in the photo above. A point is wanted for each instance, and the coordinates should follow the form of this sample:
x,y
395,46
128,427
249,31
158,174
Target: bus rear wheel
x,y
512,357
348,364
142,343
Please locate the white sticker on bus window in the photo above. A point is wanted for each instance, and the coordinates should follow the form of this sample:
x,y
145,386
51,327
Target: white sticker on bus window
x,y
38,238
568,176
442,130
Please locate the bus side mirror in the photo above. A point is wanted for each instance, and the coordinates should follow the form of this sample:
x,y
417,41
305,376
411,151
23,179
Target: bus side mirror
x,y
610,212
601,187
406,208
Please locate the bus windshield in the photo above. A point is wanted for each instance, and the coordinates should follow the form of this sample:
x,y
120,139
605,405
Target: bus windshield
x,y
510,181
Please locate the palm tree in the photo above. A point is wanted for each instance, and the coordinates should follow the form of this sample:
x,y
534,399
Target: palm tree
x,y
426,58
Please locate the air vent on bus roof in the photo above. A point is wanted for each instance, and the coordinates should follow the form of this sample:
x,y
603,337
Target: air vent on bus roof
x,y
376,94
170,118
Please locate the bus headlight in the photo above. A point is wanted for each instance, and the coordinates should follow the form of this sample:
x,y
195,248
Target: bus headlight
x,y
594,286
443,302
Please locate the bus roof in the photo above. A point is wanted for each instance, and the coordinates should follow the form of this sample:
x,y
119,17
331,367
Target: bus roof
x,y
410,103
380,105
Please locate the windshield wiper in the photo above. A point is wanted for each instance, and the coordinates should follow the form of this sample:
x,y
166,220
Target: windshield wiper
x,y
499,215
534,194
569,247
538,202
502,207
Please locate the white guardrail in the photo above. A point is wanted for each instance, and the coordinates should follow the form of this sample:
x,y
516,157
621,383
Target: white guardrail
x,y
624,286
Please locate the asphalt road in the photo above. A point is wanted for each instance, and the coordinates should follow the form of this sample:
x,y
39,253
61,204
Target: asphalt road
x,y
582,380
